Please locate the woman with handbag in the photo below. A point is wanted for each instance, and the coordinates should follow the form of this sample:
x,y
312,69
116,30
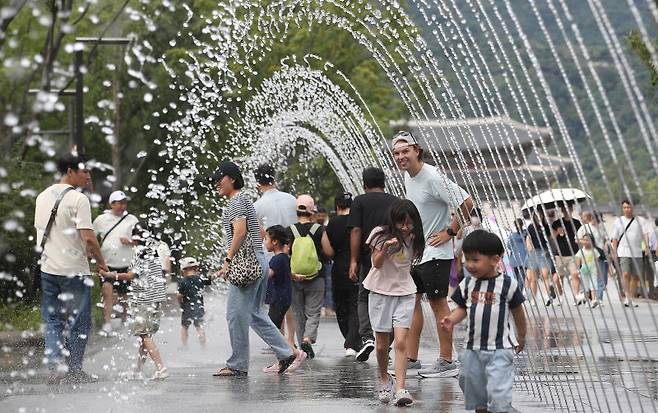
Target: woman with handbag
x,y
244,269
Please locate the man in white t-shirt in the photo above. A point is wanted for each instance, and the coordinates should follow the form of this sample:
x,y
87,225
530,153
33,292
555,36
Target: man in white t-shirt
x,y
114,227
434,195
629,239
65,273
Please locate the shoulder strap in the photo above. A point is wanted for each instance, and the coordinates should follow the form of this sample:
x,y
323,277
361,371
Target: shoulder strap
x,y
53,214
625,229
114,226
295,231
314,228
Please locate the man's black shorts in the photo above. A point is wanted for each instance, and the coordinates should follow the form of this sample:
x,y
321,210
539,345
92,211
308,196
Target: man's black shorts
x,y
121,287
432,278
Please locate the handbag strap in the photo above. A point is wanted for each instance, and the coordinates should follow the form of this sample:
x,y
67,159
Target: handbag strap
x,y
51,220
625,229
110,230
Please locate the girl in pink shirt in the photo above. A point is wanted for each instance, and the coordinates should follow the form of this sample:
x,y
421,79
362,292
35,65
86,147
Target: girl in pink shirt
x,y
392,293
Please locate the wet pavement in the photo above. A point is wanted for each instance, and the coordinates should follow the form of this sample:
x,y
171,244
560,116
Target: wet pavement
x,y
330,382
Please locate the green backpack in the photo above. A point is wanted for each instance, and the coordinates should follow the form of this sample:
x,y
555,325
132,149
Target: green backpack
x,y
304,260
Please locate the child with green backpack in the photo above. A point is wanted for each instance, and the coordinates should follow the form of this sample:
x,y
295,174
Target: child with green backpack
x,y
310,245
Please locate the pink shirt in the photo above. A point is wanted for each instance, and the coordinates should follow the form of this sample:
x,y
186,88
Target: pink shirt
x,y
394,276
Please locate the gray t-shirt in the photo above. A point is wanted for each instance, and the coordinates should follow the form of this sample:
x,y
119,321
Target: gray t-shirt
x,y
434,195
276,208
631,243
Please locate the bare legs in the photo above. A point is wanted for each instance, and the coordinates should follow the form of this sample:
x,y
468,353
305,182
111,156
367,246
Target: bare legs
x,y
382,341
147,347
413,338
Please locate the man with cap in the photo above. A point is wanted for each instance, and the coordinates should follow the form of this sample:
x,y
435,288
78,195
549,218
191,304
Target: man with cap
x,y
190,298
114,228
434,195
65,269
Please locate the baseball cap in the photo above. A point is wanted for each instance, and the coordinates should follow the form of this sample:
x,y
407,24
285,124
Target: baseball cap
x,y
305,203
117,196
188,262
230,169
404,136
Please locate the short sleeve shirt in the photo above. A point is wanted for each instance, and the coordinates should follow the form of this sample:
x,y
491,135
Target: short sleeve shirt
x,y
434,195
241,207
630,245
148,286
276,208
116,254
488,303
279,287
588,260
64,253
394,276
191,288
567,244
368,211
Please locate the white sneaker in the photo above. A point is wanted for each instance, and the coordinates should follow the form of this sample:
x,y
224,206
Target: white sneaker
x,y
161,374
385,393
106,330
440,369
402,398
595,303
350,352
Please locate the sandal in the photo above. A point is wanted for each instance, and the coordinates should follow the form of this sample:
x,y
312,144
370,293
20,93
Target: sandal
x,y
229,372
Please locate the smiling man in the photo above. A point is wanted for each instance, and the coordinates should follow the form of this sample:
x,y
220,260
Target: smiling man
x,y
434,195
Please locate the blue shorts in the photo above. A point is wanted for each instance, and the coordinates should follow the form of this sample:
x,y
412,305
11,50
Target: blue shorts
x,y
486,378
537,260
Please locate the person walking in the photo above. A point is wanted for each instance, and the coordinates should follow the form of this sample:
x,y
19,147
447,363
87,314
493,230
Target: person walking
x,y
564,233
391,303
538,262
310,246
517,252
345,291
244,303
629,234
65,237
600,243
275,207
190,298
434,195
114,227
369,210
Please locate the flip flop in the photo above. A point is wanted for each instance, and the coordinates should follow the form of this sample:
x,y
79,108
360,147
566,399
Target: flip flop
x,y
229,372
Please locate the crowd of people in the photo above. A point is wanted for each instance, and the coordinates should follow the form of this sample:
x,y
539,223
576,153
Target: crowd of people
x,y
371,262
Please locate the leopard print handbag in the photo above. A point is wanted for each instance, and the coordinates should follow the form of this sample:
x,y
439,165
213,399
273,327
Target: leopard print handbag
x,y
244,269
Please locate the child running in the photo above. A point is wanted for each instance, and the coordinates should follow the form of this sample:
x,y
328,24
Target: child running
x,y
392,293
487,297
144,304
190,298
279,287
587,260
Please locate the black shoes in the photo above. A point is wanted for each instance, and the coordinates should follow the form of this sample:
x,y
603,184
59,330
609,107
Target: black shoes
x,y
308,349
365,351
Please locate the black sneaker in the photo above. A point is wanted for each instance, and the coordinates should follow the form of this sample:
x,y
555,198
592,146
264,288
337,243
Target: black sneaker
x,y
551,292
365,351
549,302
285,363
308,349
80,377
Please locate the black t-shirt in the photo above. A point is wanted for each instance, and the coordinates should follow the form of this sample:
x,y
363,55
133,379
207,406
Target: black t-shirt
x,y
191,288
368,211
339,237
304,229
567,244
279,289
540,239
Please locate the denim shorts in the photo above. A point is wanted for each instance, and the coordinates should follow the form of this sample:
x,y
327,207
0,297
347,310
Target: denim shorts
x,y
390,311
537,260
486,378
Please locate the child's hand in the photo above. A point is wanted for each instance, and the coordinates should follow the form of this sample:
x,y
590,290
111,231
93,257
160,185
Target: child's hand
x,y
521,345
447,324
393,242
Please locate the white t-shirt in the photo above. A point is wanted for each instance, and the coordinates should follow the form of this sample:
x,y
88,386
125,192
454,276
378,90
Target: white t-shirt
x,y
164,253
631,243
64,253
434,195
116,254
276,208
597,234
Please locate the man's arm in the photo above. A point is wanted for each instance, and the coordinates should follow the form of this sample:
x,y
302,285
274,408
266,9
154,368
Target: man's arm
x,y
519,319
464,210
93,249
355,246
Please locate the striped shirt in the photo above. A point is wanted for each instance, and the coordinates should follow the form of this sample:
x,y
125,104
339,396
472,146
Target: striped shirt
x,y
488,303
241,207
148,286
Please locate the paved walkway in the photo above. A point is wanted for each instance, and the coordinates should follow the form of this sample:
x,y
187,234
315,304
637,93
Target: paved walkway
x,y
330,382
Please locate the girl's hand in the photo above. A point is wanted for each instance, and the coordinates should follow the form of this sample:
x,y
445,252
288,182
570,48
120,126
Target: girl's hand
x,y
447,324
393,242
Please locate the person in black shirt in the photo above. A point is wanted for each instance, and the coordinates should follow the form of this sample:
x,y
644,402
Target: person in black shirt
x,y
345,291
190,298
539,252
368,211
564,232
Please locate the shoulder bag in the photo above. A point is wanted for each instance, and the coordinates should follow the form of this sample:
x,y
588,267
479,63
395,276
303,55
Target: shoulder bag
x,y
111,229
35,269
244,269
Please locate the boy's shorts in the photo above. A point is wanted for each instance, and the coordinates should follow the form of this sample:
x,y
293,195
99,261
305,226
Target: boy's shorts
x,y
144,319
189,317
565,265
432,278
486,378
389,311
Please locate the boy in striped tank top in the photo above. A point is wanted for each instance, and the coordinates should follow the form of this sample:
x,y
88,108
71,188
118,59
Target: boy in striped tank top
x,y
146,296
487,298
